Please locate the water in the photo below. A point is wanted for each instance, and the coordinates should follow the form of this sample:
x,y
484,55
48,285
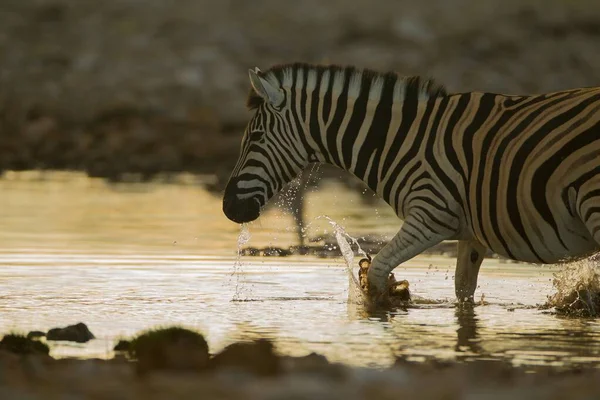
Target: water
x,y
125,257
355,294
243,238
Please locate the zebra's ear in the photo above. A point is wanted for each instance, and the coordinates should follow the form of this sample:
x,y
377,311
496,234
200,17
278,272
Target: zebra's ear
x,y
266,90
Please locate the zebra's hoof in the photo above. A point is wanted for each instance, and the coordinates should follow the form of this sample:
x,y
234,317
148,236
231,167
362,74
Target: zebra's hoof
x,y
396,293
400,290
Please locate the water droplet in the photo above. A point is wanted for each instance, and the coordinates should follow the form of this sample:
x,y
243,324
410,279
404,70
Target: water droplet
x,y
244,236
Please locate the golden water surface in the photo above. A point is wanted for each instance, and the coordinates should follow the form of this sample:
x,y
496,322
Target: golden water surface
x,y
125,257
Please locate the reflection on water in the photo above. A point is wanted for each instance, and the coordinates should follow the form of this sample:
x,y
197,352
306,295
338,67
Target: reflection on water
x,y
127,257
466,334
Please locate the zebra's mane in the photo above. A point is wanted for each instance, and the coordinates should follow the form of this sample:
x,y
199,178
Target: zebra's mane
x,y
416,85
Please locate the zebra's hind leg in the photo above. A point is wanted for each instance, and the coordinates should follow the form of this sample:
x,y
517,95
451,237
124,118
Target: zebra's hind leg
x,y
470,257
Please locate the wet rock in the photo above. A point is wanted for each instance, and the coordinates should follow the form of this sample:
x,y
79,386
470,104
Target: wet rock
x,y
73,333
36,334
256,357
173,348
19,344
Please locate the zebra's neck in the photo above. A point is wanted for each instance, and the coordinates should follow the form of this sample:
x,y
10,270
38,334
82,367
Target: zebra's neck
x,y
359,120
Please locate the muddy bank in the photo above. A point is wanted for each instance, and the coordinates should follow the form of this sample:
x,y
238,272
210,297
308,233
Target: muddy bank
x,y
123,86
255,371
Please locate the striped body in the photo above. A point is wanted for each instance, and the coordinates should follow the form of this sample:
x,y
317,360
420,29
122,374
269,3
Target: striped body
x,y
519,175
524,171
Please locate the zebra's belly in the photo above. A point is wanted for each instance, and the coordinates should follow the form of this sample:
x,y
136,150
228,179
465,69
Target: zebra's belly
x,y
553,257
549,248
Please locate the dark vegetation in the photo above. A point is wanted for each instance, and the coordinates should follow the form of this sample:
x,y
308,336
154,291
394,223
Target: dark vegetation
x,y
172,348
174,362
20,344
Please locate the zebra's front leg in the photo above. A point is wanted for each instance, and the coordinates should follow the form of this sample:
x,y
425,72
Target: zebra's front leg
x,y
415,236
470,257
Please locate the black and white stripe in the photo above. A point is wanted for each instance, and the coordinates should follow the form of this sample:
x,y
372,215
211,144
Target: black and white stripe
x,y
519,175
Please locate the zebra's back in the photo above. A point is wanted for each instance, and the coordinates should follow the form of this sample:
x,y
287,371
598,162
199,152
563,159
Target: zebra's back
x,y
526,170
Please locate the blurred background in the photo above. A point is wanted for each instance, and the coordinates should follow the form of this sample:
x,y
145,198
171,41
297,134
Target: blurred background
x,y
129,89
131,86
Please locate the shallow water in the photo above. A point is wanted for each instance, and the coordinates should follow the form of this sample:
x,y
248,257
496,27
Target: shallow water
x,y
132,256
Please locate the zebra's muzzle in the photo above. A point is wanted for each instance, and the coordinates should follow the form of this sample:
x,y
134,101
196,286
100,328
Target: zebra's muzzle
x,y
241,210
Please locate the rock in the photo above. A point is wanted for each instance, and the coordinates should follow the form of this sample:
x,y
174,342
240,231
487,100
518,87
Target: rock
x,y
172,348
73,333
35,335
19,344
256,357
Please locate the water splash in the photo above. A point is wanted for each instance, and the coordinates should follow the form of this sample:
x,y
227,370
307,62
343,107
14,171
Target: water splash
x,y
345,244
336,228
345,241
577,287
355,294
243,238
293,200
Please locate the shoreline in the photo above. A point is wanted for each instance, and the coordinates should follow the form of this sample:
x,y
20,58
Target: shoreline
x,y
258,373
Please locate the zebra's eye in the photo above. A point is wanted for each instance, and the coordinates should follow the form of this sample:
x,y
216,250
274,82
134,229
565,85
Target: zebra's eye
x,y
256,136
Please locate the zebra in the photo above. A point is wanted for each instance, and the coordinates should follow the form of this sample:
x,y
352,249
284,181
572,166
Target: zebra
x,y
516,174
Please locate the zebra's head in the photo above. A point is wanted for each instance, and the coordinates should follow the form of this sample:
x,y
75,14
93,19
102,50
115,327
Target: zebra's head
x,y
273,151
